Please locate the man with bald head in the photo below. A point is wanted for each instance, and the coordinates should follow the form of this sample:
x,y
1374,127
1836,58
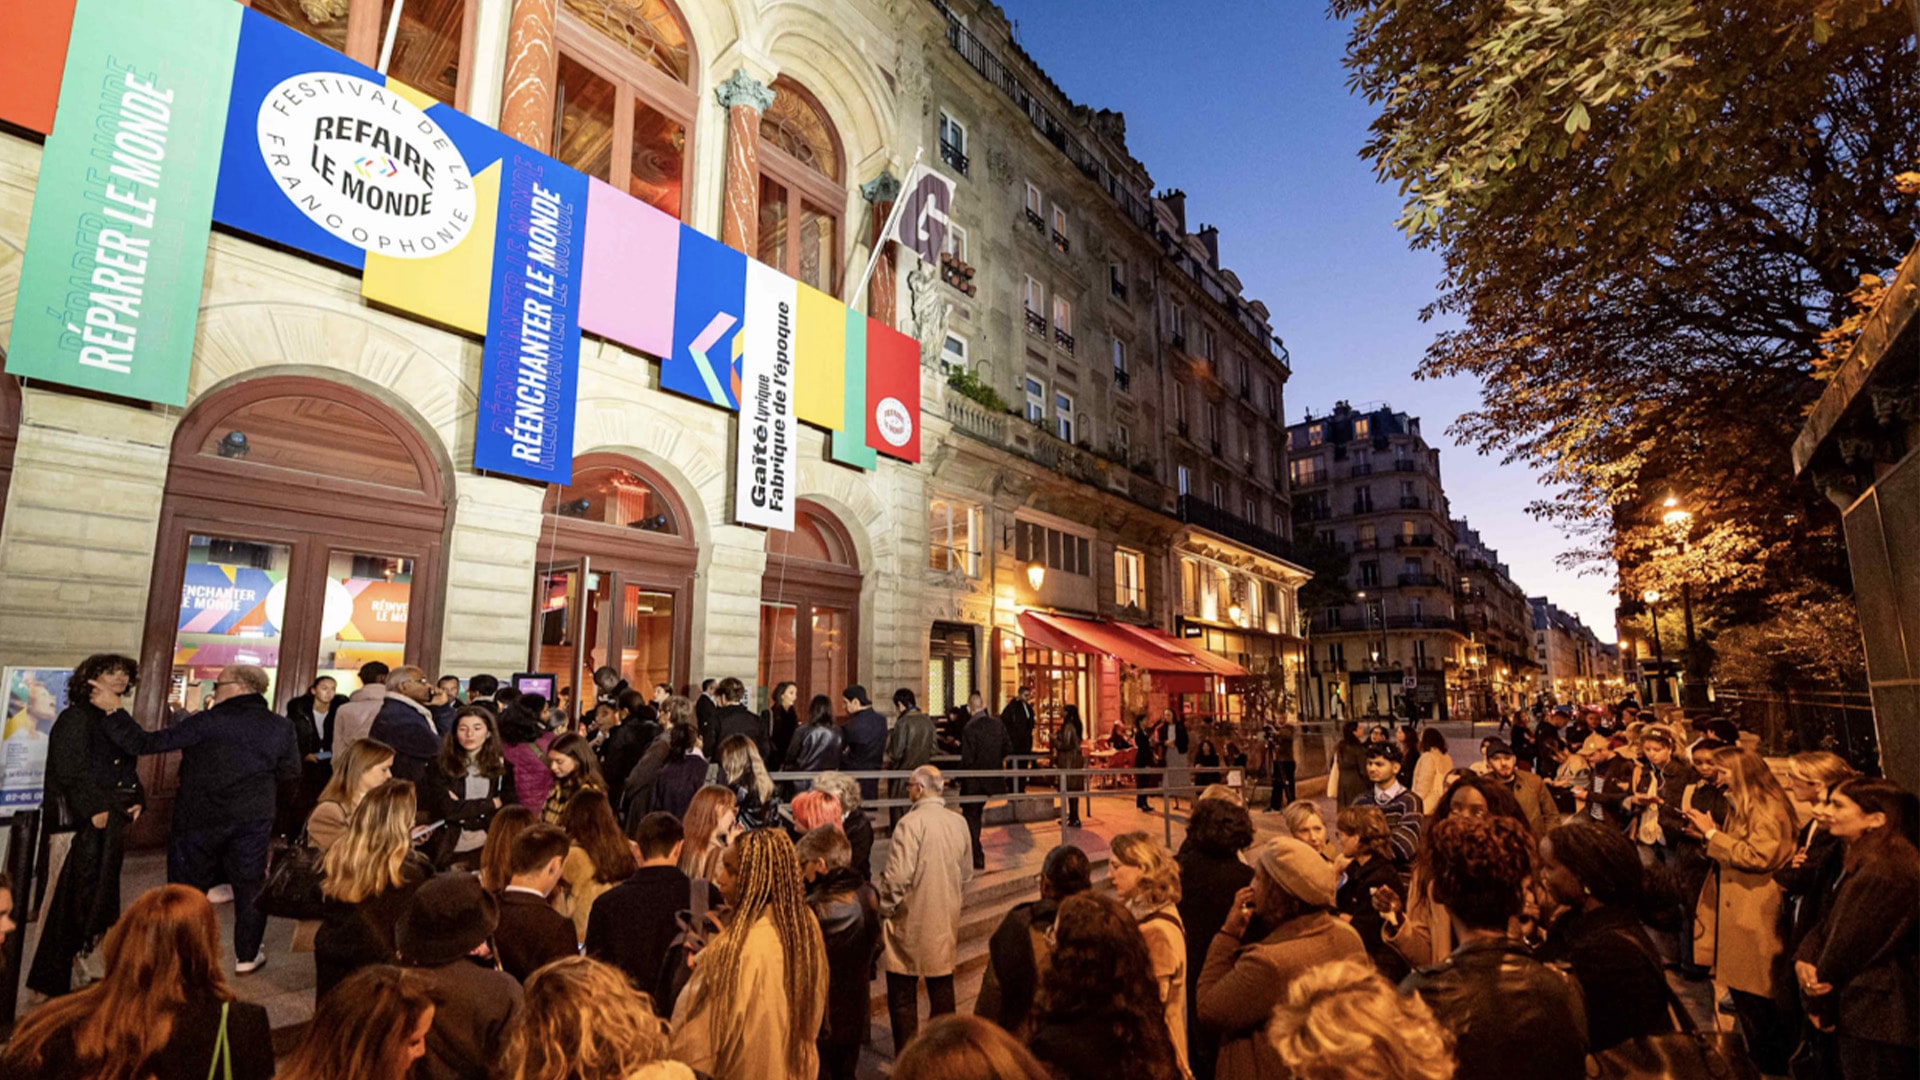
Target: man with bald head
x,y
922,891
233,756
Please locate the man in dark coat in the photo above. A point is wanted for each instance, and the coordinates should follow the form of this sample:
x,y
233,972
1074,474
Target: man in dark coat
x,y
620,751
909,744
633,924
1018,719
1018,949
531,933
440,939
865,736
236,754
407,724
848,910
983,745
733,718
703,709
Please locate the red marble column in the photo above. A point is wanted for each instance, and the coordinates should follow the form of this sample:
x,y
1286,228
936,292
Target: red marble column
x,y
882,304
526,108
364,27
744,98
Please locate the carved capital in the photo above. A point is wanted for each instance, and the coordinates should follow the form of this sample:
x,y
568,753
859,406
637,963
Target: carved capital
x,y
882,188
743,89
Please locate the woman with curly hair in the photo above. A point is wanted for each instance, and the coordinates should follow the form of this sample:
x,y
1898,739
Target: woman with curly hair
x,y
1099,1016
1211,873
375,1028
966,1048
1147,880
1510,1014
1343,1021
1417,927
759,990
581,1020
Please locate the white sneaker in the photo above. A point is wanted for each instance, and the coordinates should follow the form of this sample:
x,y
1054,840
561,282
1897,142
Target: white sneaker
x,y
248,967
220,894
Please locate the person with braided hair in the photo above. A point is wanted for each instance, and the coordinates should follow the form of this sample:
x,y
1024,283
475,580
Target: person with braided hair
x,y
753,1008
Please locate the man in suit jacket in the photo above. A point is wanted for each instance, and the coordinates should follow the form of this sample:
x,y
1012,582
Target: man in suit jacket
x,y
531,933
865,736
703,709
1018,719
407,724
733,718
633,924
983,745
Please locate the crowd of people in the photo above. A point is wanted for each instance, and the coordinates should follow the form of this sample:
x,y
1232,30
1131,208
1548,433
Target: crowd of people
x,y
503,887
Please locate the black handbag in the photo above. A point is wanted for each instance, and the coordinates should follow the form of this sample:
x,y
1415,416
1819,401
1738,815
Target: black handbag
x,y
1686,1054
292,890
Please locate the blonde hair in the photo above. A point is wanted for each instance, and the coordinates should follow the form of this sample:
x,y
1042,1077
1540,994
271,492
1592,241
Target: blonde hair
x,y
1343,1021
698,852
768,887
1222,791
1820,767
366,861
1159,874
840,786
739,757
581,1020
1752,792
1296,814
359,756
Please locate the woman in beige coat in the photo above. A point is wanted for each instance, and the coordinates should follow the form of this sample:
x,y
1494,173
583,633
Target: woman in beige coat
x,y
1147,880
1739,909
753,1007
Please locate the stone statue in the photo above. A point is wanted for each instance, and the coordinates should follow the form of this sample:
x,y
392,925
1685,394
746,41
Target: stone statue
x,y
930,311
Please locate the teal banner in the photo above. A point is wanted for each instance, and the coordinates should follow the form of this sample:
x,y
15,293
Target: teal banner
x,y
117,245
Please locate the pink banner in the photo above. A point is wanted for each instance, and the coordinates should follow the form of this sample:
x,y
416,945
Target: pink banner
x,y
631,262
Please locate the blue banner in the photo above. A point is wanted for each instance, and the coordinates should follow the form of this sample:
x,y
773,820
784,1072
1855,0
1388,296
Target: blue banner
x,y
530,365
708,307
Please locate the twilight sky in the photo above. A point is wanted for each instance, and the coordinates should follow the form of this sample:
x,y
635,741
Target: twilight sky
x,y
1245,107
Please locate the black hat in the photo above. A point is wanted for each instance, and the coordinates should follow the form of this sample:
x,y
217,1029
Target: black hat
x,y
1497,747
450,916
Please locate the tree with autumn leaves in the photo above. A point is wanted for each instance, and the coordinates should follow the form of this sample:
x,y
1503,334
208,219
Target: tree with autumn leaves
x,y
1657,219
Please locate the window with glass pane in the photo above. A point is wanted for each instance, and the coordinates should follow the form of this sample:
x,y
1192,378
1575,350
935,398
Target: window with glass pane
x,y
233,598
779,643
425,47
585,103
559,593
608,495
773,223
365,617
951,526
816,247
831,647
1127,590
658,160
646,653
1063,416
1036,401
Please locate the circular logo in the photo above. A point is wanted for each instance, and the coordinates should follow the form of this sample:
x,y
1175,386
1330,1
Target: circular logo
x,y
893,420
366,165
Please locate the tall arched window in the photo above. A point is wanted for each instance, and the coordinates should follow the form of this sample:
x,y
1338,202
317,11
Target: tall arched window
x,y
624,104
802,187
810,606
431,48
615,583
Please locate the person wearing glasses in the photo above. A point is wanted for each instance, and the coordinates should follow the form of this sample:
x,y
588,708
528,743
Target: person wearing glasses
x,y
235,756
409,723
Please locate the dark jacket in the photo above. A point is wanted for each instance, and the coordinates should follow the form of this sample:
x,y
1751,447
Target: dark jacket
x,y
1210,876
1612,782
313,737
186,1056
412,735
676,782
984,745
859,829
1868,950
731,720
781,724
1355,901
865,739
474,1009
1620,973
638,791
353,936
850,925
910,743
235,755
1013,967
704,707
632,926
87,772
1017,718
1810,888
1510,1014
531,934
815,748
1079,1047
620,751
444,798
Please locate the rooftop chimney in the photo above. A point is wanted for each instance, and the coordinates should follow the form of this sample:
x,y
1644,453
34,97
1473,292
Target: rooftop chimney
x,y
1176,201
1210,238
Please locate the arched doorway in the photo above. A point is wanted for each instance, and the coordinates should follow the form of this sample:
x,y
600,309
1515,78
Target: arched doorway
x,y
615,582
802,187
303,530
810,607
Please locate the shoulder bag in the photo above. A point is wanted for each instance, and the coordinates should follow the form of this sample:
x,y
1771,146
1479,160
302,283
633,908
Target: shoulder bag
x,y
292,889
1686,1054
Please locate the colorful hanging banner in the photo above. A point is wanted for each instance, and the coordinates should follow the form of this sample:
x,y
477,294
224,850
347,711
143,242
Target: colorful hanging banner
x,y
708,306
767,454
848,446
33,48
632,261
529,369
893,393
117,245
820,360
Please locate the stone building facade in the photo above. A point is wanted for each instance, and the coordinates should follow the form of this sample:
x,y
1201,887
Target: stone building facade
x,y
1500,668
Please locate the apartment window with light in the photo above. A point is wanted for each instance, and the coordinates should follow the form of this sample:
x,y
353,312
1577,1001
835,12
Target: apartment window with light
x,y
953,142
1035,295
1360,427
954,529
1369,537
1184,479
1059,220
1063,415
953,354
1036,400
1033,200
1062,315
1315,435
1129,587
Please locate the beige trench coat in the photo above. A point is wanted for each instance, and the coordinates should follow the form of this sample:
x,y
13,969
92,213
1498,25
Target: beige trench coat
x,y
760,1052
1737,921
929,862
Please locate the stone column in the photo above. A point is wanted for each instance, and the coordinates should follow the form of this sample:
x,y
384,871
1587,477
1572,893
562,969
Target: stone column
x,y
364,27
526,112
745,98
882,294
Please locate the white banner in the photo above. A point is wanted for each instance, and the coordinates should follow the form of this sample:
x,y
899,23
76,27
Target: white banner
x,y
767,458
926,200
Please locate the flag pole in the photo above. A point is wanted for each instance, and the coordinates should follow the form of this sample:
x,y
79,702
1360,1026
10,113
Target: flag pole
x,y
893,219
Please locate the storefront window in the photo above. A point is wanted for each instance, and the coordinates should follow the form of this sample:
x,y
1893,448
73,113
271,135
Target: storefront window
x,y
364,617
233,600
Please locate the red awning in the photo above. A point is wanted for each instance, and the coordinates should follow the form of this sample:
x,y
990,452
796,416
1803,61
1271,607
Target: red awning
x,y
1210,662
1100,638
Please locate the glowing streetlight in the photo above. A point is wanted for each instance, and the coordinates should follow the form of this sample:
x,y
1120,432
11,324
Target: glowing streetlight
x,y
1036,574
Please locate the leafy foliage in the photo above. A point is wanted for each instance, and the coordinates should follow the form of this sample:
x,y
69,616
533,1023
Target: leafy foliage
x,y
971,386
1655,216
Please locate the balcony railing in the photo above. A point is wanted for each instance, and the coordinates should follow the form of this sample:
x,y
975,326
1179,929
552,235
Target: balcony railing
x,y
1039,444
1196,511
1036,323
1423,622
951,154
1430,581
1363,508
1122,378
1063,339
1034,219
1313,513
1409,502
1060,241
1362,469
1415,540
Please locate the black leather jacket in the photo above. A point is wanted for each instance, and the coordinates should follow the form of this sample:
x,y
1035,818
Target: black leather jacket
x,y
1511,1014
816,748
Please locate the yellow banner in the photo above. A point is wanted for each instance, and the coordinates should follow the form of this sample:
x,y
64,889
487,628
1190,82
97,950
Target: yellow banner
x,y
820,360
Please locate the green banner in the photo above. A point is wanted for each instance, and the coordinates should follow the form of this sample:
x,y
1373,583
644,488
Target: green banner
x,y
117,246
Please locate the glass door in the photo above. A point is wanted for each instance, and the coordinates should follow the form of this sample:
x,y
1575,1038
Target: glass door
x,y
364,614
646,637
233,601
561,614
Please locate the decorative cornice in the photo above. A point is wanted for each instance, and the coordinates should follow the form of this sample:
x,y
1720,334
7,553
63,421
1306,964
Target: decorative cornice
x,y
882,188
743,89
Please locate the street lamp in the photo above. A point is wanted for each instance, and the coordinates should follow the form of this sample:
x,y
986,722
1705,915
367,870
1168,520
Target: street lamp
x,y
1652,598
1036,574
1680,520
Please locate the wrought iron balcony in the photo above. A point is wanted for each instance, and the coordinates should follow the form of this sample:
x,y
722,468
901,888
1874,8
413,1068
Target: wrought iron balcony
x,y
1036,323
1063,339
1060,241
1196,511
951,154
1121,378
1034,219
1430,581
1415,540
1362,469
